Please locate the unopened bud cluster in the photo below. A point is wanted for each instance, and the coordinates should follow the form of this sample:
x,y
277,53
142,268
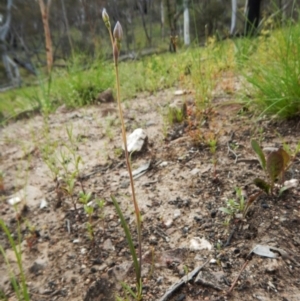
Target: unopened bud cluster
x,y
117,34
105,18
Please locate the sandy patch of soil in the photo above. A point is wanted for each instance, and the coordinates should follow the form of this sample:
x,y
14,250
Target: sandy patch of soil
x,y
179,196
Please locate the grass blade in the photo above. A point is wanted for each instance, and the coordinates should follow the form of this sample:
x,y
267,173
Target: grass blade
x,y
128,237
17,252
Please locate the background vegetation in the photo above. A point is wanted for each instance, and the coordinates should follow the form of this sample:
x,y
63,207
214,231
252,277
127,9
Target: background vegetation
x,y
82,59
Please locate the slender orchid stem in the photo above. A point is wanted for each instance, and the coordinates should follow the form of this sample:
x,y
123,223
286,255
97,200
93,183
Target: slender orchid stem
x,y
115,39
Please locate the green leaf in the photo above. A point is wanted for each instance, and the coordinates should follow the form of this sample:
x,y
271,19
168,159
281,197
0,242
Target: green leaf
x,y
225,210
127,288
282,190
261,184
128,237
260,154
18,253
275,165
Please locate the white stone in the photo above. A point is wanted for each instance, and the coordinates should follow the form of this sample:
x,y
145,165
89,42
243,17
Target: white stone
x,y
168,223
177,213
43,204
83,251
136,140
198,243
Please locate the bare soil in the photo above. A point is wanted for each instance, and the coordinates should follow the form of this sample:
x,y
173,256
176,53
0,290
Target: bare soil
x,y
179,197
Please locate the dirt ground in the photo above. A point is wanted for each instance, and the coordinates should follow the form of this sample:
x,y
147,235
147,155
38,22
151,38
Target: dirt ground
x,y
179,197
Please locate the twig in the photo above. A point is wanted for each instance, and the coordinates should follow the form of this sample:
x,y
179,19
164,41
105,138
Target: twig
x,y
238,276
230,237
68,226
162,234
183,280
231,151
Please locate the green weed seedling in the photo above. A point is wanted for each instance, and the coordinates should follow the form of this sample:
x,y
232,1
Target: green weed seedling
x,y
115,38
235,208
177,114
85,198
20,287
212,143
275,165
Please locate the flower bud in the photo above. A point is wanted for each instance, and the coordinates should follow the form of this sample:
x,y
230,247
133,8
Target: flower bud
x,y
118,32
105,16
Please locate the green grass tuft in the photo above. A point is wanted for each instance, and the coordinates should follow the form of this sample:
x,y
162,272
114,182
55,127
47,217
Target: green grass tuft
x,y
274,72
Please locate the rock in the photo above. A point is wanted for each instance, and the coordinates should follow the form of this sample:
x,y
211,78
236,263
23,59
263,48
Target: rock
x,y
124,184
83,251
185,229
195,171
168,223
105,96
209,279
136,141
36,268
213,213
110,262
43,204
198,243
14,200
272,266
181,269
29,195
107,245
120,271
177,213
153,240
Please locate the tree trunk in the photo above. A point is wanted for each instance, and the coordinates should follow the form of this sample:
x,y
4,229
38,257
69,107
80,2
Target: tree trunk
x,y
186,23
252,20
67,25
162,20
45,17
142,12
233,16
10,66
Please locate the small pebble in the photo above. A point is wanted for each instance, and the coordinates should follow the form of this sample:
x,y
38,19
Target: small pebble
x,y
213,213
153,240
168,223
185,230
177,213
163,164
83,251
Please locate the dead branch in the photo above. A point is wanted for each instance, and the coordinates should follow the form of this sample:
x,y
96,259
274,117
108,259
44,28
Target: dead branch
x,y
45,17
